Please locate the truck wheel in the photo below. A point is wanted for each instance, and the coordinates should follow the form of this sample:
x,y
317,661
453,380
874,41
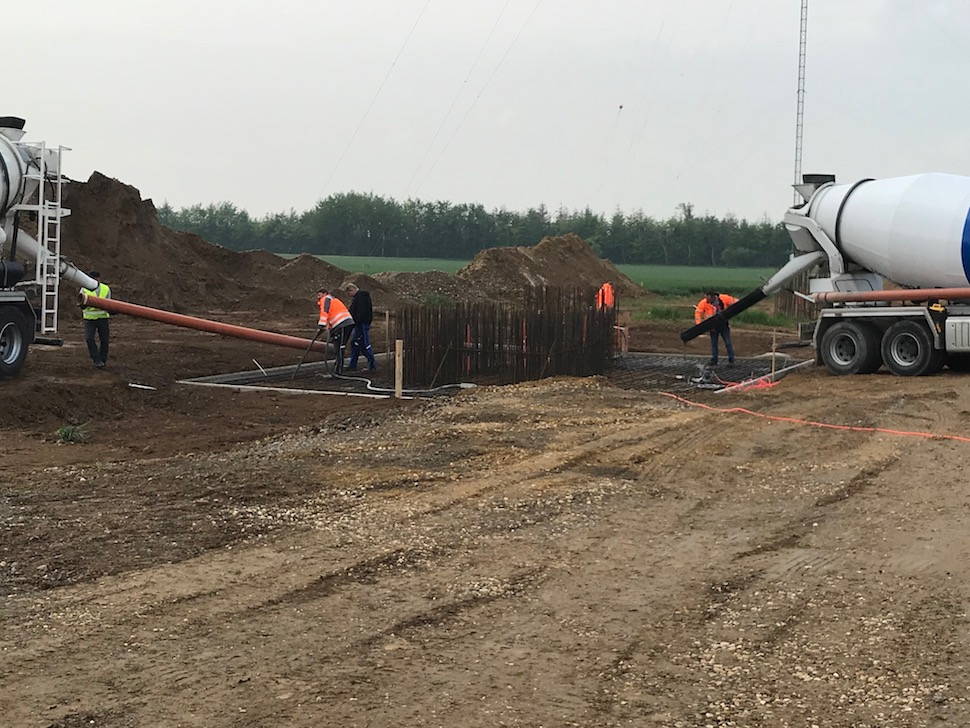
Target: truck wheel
x,y
13,341
908,351
851,347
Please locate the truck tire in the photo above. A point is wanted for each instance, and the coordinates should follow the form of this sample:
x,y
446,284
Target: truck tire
x,y
851,347
13,341
908,351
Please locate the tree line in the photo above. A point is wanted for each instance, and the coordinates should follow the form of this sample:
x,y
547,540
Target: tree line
x,y
366,224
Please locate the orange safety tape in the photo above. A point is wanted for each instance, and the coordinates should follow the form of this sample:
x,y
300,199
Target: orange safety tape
x,y
812,423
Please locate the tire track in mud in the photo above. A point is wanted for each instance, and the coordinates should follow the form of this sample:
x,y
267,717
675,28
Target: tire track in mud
x,y
780,559
217,604
791,534
550,465
660,449
442,614
777,556
232,594
365,571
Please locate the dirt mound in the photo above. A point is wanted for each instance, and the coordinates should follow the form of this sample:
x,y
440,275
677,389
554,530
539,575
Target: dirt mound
x,y
113,230
308,273
564,261
429,286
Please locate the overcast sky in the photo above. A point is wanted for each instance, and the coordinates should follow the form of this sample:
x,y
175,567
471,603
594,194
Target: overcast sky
x,y
272,105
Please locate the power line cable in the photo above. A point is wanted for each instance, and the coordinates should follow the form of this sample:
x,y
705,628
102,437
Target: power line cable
x,y
454,100
373,100
488,81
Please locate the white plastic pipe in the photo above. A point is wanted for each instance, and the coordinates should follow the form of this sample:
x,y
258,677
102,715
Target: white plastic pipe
x,y
285,390
771,377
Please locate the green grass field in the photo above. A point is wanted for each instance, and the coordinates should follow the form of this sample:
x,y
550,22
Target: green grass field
x,y
371,265
677,280
683,313
668,280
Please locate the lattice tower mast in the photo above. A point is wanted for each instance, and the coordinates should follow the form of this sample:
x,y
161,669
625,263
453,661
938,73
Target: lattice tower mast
x,y
800,104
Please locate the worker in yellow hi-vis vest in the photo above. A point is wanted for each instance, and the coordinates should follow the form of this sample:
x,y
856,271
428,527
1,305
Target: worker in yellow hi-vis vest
x,y
96,323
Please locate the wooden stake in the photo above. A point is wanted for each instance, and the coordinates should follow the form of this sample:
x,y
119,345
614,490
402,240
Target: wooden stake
x,y
387,332
398,368
774,335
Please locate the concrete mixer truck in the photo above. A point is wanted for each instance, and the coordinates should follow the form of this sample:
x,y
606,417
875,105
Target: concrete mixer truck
x,y
891,260
31,266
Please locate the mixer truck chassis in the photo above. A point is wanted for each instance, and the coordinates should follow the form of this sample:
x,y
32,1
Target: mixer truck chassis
x,y
907,340
17,325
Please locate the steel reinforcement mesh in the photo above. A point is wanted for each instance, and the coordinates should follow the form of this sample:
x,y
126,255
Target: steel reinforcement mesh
x,y
553,332
673,373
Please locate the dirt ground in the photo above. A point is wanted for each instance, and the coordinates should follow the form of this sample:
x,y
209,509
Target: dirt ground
x,y
548,554
664,336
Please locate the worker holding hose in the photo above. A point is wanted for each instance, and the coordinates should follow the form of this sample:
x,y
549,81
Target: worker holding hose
x,y
713,304
335,317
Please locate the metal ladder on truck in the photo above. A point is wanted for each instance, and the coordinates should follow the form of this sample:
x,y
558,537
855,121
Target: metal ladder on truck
x,y
49,214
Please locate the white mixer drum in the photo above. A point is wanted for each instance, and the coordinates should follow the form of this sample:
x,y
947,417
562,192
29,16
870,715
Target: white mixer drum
x,y
11,165
912,230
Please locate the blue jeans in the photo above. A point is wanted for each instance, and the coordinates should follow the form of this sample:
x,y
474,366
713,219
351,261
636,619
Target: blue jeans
x,y
360,343
726,335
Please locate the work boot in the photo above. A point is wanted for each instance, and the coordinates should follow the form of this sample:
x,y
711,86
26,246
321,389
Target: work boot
x,y
712,363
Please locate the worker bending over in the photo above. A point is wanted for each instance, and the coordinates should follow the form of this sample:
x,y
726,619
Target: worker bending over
x,y
96,323
713,304
337,320
362,311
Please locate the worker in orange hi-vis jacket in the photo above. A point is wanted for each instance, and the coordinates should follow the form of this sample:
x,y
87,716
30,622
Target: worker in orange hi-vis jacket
x,y
713,304
605,297
337,320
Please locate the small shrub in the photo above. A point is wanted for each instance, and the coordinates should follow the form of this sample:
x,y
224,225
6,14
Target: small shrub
x,y
72,434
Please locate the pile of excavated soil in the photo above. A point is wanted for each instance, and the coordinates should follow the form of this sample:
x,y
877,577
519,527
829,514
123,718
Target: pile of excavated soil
x,y
429,286
564,261
113,230
306,272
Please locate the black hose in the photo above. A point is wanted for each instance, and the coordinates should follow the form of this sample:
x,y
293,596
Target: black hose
x,y
721,319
